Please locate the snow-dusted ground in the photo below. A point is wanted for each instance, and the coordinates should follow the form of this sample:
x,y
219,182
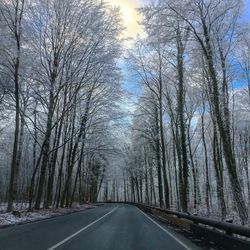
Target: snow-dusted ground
x,y
35,215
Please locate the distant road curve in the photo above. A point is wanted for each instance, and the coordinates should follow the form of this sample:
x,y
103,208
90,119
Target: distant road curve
x,y
109,227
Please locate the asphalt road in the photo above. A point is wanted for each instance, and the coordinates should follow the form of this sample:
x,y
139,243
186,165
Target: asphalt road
x,y
109,227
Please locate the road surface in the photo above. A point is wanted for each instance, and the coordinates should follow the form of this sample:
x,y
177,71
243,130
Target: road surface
x,y
108,227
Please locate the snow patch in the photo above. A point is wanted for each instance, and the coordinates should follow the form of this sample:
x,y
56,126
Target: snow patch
x,y
7,219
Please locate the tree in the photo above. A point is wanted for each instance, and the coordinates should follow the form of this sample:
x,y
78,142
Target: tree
x,y
12,15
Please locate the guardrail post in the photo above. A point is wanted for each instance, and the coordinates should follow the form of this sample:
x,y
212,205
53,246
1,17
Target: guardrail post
x,y
229,221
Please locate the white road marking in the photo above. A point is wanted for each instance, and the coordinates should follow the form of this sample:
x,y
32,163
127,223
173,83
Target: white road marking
x,y
81,230
167,232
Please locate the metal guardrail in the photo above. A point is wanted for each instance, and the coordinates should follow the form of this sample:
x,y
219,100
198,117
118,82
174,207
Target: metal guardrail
x,y
228,228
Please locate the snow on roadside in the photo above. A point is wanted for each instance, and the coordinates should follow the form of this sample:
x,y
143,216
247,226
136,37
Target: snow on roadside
x,y
7,219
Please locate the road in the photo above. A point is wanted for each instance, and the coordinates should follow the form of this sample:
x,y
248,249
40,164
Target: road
x,y
108,227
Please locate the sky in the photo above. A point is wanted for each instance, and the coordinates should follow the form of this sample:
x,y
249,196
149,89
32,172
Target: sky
x,y
131,16
247,10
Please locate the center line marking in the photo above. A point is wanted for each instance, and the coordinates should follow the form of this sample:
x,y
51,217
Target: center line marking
x,y
166,231
81,230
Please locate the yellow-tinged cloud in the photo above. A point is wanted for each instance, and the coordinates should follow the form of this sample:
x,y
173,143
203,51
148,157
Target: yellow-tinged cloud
x,y
131,16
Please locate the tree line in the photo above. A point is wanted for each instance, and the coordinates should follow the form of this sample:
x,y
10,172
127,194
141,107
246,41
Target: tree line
x,y
59,99
189,142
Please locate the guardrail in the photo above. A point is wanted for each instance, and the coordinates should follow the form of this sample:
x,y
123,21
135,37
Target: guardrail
x,y
225,234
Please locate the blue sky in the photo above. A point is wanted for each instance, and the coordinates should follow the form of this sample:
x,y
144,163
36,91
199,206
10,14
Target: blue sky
x,y
247,9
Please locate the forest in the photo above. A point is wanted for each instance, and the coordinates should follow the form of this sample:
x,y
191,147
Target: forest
x,y
74,129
